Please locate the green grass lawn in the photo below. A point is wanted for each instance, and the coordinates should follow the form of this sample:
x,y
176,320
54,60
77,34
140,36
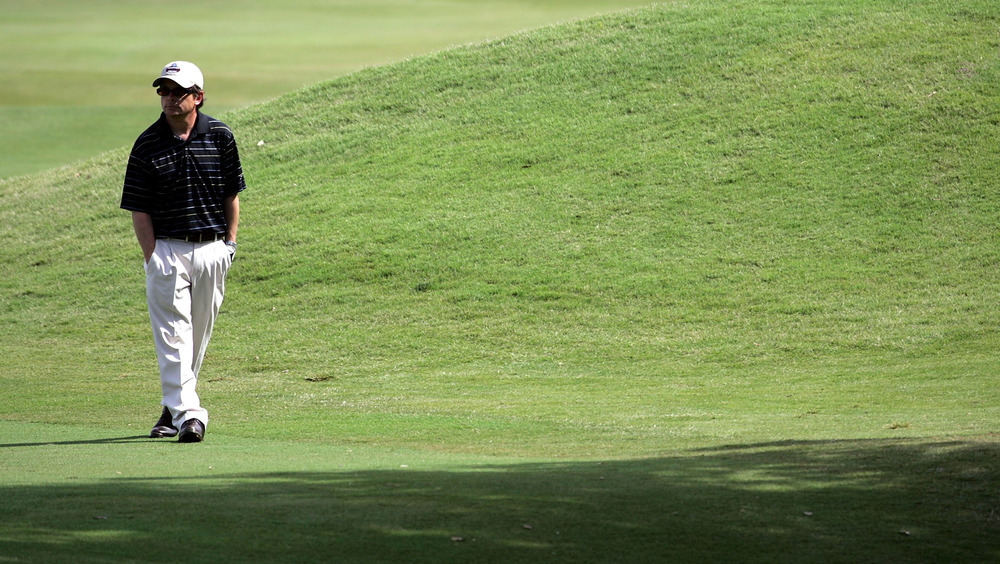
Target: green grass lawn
x,y
297,501
698,282
78,74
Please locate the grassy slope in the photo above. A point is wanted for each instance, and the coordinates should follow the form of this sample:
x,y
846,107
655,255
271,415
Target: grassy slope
x,y
679,226
72,88
699,226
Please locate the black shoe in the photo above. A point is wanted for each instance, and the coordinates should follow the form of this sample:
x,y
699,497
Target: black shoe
x,y
164,428
192,431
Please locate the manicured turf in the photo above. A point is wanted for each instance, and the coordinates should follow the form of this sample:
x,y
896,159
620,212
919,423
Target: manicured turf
x,y
701,282
77,74
237,500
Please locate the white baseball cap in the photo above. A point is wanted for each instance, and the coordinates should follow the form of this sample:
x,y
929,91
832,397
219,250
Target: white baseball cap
x,y
185,74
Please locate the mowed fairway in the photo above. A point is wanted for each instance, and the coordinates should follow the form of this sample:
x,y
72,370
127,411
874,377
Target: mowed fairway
x,y
698,282
77,74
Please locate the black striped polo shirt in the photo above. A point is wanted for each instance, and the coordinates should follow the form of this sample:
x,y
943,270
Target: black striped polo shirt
x,y
182,184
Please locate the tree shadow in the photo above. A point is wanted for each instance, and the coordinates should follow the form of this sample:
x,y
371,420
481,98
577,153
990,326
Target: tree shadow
x,y
814,501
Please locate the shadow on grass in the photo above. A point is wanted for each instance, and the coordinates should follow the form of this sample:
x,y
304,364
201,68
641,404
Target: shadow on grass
x,y
111,440
823,501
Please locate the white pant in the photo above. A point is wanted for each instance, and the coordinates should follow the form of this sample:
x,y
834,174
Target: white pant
x,y
185,284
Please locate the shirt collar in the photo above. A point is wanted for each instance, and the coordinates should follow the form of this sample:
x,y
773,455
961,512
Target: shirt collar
x,y
201,126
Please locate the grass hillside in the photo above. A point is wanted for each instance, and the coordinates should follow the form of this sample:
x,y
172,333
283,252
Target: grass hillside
x,y
743,252
77,74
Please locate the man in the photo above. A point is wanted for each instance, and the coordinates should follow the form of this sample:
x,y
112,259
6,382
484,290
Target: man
x,y
182,185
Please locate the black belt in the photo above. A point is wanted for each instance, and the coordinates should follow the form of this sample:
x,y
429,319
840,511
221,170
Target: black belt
x,y
198,237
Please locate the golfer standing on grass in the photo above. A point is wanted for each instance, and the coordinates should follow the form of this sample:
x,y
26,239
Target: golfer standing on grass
x,y
182,185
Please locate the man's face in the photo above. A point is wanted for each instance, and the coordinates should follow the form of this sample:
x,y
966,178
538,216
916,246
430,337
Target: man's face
x,y
177,101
